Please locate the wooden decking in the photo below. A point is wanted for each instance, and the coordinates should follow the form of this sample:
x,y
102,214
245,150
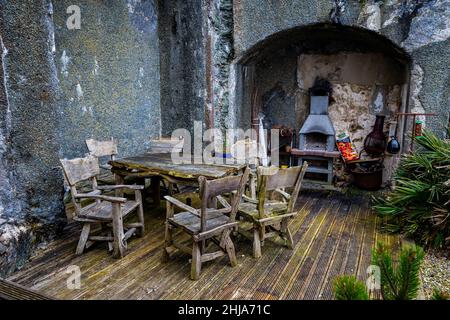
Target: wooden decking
x,y
334,235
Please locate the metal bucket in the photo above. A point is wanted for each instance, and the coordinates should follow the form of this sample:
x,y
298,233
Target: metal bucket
x,y
368,180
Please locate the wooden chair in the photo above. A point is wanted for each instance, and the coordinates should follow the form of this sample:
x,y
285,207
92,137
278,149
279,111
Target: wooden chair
x,y
270,217
246,151
169,145
101,149
105,210
206,223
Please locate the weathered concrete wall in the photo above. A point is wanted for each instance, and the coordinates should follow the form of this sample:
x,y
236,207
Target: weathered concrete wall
x,y
59,87
420,27
254,21
31,120
112,78
109,74
182,34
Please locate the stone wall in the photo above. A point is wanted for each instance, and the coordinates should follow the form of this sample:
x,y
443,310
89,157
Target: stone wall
x,y
108,72
138,68
364,85
419,28
182,36
59,87
33,191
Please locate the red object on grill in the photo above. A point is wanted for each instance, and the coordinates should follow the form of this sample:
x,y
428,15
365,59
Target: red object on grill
x,y
346,148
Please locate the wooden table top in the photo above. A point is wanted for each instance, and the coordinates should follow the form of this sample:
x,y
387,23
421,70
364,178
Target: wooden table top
x,y
162,164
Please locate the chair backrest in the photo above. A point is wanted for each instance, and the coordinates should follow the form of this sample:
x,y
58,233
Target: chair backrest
x,y
245,151
78,170
166,145
102,148
272,178
213,188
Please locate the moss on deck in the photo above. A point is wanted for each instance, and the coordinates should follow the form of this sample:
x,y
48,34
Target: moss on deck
x,y
333,235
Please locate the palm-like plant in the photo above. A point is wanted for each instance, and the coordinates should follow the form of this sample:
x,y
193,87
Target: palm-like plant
x,y
419,205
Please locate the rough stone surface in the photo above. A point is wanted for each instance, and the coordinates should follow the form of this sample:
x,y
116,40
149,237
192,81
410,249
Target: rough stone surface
x,y
109,75
16,242
419,27
415,88
138,68
183,63
256,20
7,205
221,27
431,24
32,110
371,15
435,86
59,87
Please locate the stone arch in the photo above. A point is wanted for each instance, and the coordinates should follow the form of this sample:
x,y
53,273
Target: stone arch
x,y
349,45
324,31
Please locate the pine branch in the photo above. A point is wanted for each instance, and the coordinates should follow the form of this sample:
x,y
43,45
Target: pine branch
x,y
408,272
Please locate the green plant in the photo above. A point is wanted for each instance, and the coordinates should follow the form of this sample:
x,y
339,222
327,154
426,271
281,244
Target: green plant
x,y
349,288
398,281
439,295
419,205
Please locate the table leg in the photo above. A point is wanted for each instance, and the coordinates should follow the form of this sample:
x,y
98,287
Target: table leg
x,y
119,180
156,190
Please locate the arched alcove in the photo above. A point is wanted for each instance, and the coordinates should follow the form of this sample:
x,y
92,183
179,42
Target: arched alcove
x,y
369,76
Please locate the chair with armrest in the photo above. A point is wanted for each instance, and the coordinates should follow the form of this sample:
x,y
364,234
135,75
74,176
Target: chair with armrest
x,y
206,223
271,217
104,209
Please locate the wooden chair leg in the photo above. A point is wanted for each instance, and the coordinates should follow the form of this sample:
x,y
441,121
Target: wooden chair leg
x,y
84,236
290,241
140,211
286,233
119,246
262,234
196,265
252,184
156,190
167,242
170,189
110,244
229,246
256,242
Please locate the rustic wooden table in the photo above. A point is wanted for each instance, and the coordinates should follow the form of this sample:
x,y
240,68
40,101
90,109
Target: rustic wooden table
x,y
157,166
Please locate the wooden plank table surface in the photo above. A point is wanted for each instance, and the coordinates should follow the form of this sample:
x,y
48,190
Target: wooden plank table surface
x,y
161,166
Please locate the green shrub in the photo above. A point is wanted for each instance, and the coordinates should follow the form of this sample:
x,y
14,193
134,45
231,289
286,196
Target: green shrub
x,y
349,288
439,295
419,205
398,281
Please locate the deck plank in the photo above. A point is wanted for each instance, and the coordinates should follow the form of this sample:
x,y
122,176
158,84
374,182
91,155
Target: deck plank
x,y
333,234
